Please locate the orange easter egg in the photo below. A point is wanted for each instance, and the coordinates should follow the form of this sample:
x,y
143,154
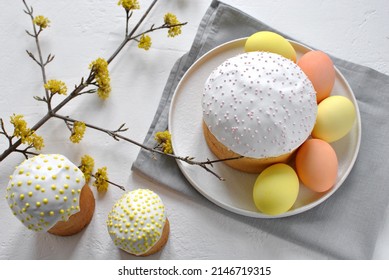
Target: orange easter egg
x,y
317,165
320,71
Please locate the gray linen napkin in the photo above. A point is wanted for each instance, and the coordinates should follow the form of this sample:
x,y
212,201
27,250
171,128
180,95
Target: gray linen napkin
x,y
346,225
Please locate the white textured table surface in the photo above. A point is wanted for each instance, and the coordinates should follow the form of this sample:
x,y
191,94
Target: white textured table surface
x,y
80,32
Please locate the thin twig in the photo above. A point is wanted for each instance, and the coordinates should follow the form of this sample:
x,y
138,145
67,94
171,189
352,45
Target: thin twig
x,y
152,28
25,152
4,132
49,59
110,182
28,33
30,54
90,91
128,15
36,36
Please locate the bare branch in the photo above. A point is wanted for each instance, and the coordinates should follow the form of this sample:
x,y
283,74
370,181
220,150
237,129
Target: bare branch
x,y
41,99
26,152
28,33
4,132
122,128
127,21
49,59
69,125
30,54
79,90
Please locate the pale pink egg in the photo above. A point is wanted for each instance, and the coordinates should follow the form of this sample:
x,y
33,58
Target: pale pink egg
x,y
317,165
320,71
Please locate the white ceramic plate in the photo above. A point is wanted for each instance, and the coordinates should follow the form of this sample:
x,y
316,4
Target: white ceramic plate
x,y
235,193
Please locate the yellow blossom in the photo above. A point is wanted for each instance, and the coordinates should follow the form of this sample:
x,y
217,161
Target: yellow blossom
x,y
101,182
25,134
78,132
164,140
100,69
56,86
20,126
144,42
41,21
129,4
87,165
171,19
36,141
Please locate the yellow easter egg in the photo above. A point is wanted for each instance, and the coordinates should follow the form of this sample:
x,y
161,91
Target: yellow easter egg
x,y
335,118
276,189
267,41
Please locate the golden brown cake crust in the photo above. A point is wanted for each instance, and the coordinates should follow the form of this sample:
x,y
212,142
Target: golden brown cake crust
x,y
81,219
245,164
161,242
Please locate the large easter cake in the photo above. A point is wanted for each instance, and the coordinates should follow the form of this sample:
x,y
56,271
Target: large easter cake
x,y
259,105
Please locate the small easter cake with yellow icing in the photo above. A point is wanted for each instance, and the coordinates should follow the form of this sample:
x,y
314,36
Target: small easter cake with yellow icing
x,y
137,223
47,193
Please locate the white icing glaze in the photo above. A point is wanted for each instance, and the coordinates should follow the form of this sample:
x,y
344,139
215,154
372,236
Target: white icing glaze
x,y
43,190
136,221
259,104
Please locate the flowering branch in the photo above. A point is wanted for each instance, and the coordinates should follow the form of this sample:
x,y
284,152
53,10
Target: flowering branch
x,y
152,28
128,16
10,138
101,179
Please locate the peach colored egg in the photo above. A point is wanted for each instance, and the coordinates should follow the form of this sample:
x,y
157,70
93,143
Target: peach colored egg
x,y
320,71
317,165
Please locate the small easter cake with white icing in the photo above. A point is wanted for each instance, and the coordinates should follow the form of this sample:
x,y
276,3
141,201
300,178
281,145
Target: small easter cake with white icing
x,y
48,193
138,224
259,105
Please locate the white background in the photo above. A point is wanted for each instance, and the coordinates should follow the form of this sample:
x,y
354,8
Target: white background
x,y
83,30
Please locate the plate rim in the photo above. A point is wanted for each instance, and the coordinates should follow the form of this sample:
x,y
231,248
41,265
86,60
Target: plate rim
x,y
197,63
